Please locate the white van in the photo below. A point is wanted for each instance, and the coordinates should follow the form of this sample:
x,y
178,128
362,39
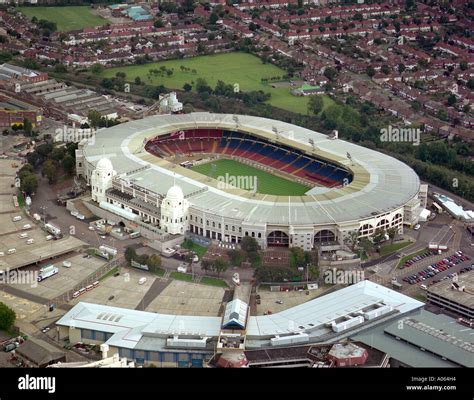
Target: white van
x,y
142,281
49,237
2,253
30,241
27,226
11,251
67,264
17,218
23,236
424,287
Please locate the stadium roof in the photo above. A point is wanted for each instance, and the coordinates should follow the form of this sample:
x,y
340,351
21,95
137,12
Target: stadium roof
x,y
381,183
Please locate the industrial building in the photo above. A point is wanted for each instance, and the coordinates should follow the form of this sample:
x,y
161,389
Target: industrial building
x,y
181,340
14,112
10,72
69,99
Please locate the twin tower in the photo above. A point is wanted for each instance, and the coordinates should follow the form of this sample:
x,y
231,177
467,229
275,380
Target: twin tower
x,y
174,207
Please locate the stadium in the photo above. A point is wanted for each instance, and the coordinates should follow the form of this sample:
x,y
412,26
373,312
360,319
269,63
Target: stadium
x,y
225,176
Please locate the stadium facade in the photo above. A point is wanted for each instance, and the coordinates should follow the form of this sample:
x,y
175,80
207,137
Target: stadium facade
x,y
136,172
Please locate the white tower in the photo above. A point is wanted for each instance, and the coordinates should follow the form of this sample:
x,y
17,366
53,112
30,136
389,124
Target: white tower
x,y
101,179
174,211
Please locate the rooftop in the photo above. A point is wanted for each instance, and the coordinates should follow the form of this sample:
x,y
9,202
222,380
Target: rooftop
x,y
465,298
438,334
135,329
375,337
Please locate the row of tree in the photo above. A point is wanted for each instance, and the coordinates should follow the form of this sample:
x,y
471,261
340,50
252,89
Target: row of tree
x,y
153,261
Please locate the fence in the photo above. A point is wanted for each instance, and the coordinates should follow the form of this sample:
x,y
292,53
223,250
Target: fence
x,y
95,276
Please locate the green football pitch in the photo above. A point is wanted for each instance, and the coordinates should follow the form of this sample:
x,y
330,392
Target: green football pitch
x,y
247,177
66,18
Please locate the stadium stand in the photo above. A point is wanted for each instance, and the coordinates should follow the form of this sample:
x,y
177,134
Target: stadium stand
x,y
216,141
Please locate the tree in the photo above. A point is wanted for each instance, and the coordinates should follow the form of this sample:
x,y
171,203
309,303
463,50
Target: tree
x,y
60,68
392,232
213,18
366,245
154,262
68,164
27,126
385,69
219,266
378,236
401,68
50,171
7,317
202,86
300,257
352,239
451,100
94,117
138,80
158,23
370,71
315,104
330,73
249,244
130,254
57,154
416,105
97,69
236,257
206,265
28,183
187,87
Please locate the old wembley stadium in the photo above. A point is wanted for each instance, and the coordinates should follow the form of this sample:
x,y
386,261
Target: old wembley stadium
x,y
139,172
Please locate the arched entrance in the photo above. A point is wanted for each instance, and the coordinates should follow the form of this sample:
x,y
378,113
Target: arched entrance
x,y
278,239
324,236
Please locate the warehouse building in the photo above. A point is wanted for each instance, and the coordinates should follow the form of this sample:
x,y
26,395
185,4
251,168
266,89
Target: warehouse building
x,y
190,341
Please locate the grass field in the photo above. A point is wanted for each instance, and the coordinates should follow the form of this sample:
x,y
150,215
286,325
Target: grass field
x,y
205,280
67,18
199,250
392,248
242,68
403,260
180,276
266,182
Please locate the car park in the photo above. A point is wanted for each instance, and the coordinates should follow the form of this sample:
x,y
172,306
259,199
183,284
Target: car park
x,y
438,267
